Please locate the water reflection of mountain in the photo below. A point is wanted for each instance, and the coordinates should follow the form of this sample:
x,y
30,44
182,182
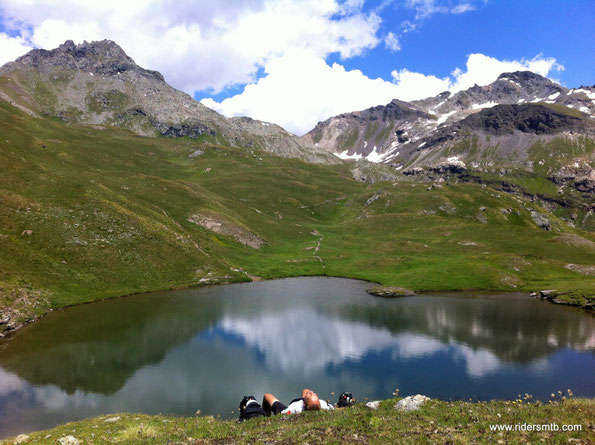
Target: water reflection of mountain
x,y
98,347
515,328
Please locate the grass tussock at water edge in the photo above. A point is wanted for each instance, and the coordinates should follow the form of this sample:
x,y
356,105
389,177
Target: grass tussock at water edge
x,y
436,422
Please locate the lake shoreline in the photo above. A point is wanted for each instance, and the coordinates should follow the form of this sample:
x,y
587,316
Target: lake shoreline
x,y
559,298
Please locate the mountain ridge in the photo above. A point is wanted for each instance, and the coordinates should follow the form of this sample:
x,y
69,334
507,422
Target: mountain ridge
x,y
371,135
97,83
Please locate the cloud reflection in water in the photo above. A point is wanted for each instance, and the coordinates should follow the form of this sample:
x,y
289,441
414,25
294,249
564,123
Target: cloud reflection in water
x,y
306,341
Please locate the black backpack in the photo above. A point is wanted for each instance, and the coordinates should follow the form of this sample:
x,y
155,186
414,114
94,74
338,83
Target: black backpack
x,y
345,399
250,410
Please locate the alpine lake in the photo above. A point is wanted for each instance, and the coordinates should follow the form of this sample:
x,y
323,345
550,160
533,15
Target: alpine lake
x,y
205,348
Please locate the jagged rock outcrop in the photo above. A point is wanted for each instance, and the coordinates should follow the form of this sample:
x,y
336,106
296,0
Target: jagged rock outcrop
x,y
582,177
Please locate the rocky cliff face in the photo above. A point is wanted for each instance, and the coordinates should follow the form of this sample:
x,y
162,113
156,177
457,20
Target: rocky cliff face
x,y
97,83
498,123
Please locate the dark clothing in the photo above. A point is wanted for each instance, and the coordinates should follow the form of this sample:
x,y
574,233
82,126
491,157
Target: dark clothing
x,y
251,410
277,407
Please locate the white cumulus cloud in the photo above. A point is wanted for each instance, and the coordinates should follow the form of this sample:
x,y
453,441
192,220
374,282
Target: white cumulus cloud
x,y
301,89
197,45
12,47
482,69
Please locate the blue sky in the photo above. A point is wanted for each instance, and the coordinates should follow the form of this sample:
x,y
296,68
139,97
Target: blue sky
x,y
505,29
297,62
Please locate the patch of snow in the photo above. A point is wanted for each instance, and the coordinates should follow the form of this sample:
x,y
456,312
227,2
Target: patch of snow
x,y
454,160
570,106
584,109
553,96
391,157
520,101
485,105
344,155
539,99
264,124
589,94
444,117
392,148
516,83
365,144
399,167
375,156
550,101
570,92
316,144
92,74
436,106
421,145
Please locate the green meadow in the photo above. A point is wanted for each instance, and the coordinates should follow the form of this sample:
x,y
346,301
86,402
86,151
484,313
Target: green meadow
x,y
436,422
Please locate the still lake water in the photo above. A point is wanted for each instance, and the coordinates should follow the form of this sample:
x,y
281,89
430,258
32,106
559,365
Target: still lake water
x,y
176,352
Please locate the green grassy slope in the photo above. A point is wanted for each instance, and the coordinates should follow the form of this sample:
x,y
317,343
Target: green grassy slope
x,y
108,215
435,422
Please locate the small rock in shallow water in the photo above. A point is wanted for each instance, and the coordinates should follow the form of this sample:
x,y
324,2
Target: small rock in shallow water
x,y
390,291
21,438
547,293
411,403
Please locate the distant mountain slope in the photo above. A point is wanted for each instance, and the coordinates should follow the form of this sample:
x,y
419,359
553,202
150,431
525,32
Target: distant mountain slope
x,y
516,111
97,83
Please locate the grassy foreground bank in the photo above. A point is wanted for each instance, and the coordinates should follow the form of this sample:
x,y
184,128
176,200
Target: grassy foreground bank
x,y
435,422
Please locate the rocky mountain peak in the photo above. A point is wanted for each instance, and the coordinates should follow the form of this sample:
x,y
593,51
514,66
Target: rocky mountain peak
x,y
524,77
100,58
519,107
97,83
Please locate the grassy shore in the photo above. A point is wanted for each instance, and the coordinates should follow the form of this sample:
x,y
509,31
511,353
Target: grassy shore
x,y
436,422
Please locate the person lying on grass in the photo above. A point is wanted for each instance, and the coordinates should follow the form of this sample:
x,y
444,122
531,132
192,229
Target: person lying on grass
x,y
309,401
249,407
